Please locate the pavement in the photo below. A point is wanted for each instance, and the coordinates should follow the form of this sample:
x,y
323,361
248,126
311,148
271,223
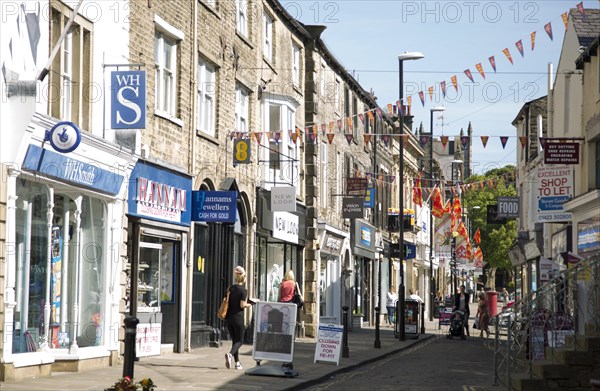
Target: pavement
x,y
204,368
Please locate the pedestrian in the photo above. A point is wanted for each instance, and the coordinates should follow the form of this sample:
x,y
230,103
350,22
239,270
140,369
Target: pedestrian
x,y
438,296
414,296
234,320
504,295
483,315
390,304
286,295
461,302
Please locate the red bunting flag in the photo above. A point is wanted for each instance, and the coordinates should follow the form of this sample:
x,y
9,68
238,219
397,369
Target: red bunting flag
x,y
464,140
523,140
457,207
493,62
444,140
443,86
447,207
454,82
437,207
404,139
431,93
257,136
361,117
417,195
519,45
548,28
565,19
390,109
469,75
581,10
478,258
295,135
484,140
507,54
480,70
503,140
532,40
462,230
477,237
422,97
399,107
330,137
367,138
277,137
386,139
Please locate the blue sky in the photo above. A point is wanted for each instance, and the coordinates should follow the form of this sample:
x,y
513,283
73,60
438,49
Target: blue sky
x,y
367,37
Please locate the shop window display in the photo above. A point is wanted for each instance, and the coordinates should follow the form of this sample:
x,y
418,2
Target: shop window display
x,y
52,305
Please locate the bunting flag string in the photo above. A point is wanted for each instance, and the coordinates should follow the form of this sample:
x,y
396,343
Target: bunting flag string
x,y
469,75
480,70
507,54
493,63
548,28
533,40
519,45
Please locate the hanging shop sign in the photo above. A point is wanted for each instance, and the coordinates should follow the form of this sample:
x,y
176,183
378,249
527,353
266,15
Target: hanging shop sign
x,y
241,151
352,207
285,226
356,186
363,239
332,244
64,137
508,207
214,206
561,152
128,100
160,194
283,199
370,198
554,188
66,169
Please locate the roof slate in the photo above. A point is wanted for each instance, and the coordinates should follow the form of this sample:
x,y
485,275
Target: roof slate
x,y
588,28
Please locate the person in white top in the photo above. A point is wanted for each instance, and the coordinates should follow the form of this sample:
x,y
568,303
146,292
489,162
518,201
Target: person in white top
x,y
392,298
414,296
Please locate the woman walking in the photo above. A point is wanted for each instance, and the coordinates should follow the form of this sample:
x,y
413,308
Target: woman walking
x,y
238,296
483,315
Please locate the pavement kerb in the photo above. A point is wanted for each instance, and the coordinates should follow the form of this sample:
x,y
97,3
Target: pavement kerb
x,y
310,382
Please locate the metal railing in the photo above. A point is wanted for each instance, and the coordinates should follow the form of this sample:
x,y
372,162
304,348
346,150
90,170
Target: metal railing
x,y
551,316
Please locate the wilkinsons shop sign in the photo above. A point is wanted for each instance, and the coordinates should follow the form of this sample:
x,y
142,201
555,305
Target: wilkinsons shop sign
x,y
159,194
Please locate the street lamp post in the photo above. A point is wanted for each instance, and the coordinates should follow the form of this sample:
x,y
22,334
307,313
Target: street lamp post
x,y
454,268
431,279
401,58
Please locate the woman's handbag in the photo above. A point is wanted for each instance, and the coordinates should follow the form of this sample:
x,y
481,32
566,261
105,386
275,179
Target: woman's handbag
x,y
222,313
297,297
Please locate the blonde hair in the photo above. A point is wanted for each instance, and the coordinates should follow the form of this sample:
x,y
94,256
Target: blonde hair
x,y
289,276
239,275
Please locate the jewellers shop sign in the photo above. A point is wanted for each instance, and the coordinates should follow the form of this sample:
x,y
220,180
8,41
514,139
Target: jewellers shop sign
x,y
554,186
214,206
159,194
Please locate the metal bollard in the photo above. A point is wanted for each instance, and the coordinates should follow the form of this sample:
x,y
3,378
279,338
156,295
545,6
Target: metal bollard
x,y
377,344
345,350
131,323
422,318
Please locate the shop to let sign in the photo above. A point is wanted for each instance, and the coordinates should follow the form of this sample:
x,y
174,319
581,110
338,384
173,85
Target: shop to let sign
x,y
554,188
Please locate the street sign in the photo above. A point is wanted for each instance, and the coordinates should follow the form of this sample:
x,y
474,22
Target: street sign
x,y
508,207
410,251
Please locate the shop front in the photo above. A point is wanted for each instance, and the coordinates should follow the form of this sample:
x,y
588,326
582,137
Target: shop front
x,y
64,216
332,243
362,239
159,204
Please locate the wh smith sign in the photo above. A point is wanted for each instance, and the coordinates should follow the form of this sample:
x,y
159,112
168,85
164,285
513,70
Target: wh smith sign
x,y
128,100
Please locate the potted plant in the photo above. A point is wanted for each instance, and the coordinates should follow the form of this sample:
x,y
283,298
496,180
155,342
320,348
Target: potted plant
x,y
128,384
357,319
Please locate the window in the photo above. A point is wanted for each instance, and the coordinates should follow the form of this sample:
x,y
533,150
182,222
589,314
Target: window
x,y
295,64
324,181
70,79
206,97
268,37
346,108
354,116
165,56
336,96
339,169
322,81
241,109
241,19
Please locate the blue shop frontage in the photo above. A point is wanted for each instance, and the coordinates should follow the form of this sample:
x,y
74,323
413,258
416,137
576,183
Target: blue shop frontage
x,y
159,214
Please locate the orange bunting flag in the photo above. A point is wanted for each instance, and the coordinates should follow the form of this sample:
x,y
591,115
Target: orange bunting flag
x,y
548,28
437,207
422,97
457,206
408,101
565,18
484,140
258,136
477,237
523,140
532,40
478,258
493,62
444,140
330,137
507,54
371,116
367,138
404,139
454,82
519,45
331,125
390,109
349,122
469,75
462,230
417,195
480,70
431,93
447,207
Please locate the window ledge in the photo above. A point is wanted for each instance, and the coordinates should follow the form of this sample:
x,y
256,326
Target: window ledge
x,y
269,64
169,117
298,89
207,137
244,39
211,9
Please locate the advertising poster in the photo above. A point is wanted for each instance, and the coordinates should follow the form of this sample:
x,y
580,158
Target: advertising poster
x,y
588,237
329,343
274,331
554,188
55,279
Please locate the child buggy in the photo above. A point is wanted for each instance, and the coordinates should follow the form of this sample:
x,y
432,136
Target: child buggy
x,y
457,325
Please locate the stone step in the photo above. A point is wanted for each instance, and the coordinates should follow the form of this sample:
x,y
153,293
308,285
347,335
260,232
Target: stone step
x,y
524,382
584,342
567,355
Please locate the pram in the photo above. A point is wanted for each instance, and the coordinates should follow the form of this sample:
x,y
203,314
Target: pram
x,y
457,325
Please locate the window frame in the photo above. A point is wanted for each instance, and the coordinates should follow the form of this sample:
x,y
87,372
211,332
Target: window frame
x,y
268,25
241,17
296,53
206,98
324,182
242,113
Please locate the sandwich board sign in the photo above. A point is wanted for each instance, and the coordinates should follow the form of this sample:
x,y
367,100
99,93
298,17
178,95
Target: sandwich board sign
x,y
329,343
